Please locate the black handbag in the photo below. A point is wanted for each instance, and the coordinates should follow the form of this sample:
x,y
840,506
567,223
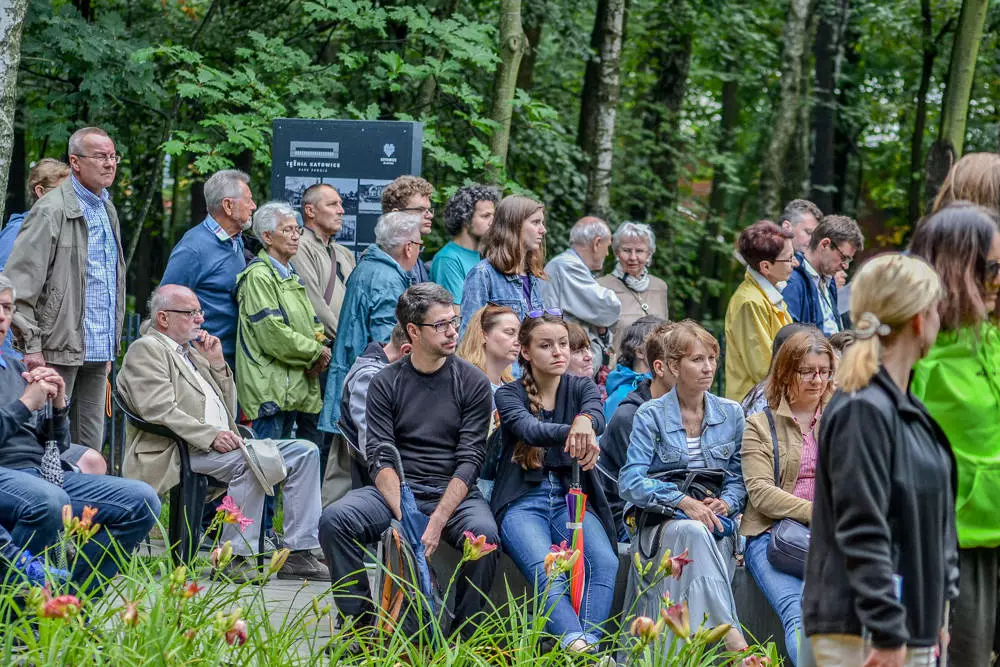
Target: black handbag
x,y
786,552
699,483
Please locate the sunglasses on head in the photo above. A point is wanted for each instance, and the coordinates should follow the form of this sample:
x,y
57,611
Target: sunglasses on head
x,y
554,312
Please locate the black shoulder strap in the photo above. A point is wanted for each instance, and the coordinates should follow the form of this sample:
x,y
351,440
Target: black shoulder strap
x,y
774,442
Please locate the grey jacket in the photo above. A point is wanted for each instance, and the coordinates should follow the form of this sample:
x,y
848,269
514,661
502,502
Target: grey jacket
x,y
353,403
572,288
48,267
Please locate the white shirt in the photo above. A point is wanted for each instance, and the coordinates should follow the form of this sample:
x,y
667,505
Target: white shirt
x,y
825,302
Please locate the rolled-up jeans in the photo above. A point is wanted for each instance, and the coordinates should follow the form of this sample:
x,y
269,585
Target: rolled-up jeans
x,y
536,521
302,504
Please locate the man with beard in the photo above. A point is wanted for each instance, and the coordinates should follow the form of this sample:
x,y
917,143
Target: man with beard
x,y
210,255
441,458
467,217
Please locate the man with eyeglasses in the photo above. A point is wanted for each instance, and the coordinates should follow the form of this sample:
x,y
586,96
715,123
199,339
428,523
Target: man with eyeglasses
x,y
811,292
68,271
176,376
412,194
209,256
433,408
369,311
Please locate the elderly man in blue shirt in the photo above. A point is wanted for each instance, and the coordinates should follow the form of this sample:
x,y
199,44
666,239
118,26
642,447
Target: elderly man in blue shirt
x,y
210,255
68,271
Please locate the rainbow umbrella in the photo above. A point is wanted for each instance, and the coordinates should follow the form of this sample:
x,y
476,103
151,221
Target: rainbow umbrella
x,y
576,503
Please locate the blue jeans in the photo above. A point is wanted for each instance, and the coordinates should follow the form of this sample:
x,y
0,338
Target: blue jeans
x,y
783,591
31,509
532,524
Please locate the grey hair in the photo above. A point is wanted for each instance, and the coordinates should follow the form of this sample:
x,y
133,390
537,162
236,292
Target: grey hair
x,y
76,139
6,284
158,301
796,209
395,229
223,184
634,230
587,230
268,216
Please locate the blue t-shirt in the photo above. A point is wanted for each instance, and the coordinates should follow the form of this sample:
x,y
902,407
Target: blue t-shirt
x,y
7,237
450,267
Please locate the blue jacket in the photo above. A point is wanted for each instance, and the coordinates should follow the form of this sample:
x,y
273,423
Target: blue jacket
x,y
802,297
658,444
208,266
485,284
368,314
7,237
620,383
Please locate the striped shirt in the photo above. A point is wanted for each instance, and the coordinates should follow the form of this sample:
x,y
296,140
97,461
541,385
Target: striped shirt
x,y
696,457
223,235
101,276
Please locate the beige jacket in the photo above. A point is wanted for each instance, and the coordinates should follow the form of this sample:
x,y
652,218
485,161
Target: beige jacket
x,y
314,262
48,268
654,298
160,387
766,502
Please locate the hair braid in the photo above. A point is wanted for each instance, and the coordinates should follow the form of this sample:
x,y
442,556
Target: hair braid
x,y
528,457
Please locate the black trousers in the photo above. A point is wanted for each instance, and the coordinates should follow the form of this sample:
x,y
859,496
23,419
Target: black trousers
x,y
360,518
974,615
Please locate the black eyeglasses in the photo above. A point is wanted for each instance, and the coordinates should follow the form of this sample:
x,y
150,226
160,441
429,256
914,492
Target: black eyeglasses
x,y
555,312
845,259
416,243
100,157
788,260
189,313
442,327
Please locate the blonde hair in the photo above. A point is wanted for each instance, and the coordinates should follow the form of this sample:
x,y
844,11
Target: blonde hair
x,y
48,173
472,347
975,178
888,292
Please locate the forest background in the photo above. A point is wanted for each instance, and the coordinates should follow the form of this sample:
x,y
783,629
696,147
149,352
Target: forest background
x,y
695,116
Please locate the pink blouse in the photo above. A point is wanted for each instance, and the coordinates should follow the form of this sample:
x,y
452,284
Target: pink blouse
x,y
805,484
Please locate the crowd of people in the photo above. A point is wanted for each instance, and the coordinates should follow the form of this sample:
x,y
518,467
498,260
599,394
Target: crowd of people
x,y
861,414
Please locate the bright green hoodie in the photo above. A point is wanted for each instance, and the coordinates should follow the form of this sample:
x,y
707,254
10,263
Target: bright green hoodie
x,y
277,341
959,382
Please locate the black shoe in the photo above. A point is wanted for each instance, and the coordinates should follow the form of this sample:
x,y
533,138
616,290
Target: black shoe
x,y
303,565
240,570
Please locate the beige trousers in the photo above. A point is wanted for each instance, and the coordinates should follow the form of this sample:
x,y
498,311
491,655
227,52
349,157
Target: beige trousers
x,y
851,651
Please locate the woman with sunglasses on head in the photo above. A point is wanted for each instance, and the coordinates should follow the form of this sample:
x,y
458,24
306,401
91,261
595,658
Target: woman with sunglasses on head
x,y
959,382
797,390
757,310
688,433
882,559
512,268
549,422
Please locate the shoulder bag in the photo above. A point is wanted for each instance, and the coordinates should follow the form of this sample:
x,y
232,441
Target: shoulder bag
x,y
699,483
786,552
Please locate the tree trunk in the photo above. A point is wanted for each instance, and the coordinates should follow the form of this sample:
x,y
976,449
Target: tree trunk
x,y
12,14
587,128
512,47
526,73
17,186
832,15
955,108
606,94
920,120
783,132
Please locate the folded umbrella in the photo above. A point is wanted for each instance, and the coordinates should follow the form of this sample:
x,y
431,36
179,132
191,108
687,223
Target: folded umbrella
x,y
576,503
414,523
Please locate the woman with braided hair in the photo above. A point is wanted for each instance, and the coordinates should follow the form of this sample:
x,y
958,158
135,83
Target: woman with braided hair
x,y
550,420
883,557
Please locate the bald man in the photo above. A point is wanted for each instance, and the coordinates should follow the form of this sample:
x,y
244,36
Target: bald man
x,y
176,376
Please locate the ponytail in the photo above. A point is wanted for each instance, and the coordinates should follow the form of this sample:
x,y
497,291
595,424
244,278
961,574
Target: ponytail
x,y
888,292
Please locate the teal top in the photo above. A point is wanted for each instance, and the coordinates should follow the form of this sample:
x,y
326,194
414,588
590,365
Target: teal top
x,y
450,267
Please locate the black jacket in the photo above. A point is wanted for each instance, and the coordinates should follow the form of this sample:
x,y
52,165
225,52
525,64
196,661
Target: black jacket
x,y
885,505
614,449
576,395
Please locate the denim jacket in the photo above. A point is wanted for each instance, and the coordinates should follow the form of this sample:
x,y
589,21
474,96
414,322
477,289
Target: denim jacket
x,y
485,284
658,444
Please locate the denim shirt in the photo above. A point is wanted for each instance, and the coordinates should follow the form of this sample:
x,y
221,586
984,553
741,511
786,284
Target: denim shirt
x,y
658,444
485,284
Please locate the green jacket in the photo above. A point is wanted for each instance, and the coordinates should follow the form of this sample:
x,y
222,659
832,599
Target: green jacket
x,y
959,382
278,339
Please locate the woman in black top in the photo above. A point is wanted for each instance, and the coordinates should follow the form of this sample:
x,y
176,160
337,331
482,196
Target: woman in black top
x,y
883,560
549,419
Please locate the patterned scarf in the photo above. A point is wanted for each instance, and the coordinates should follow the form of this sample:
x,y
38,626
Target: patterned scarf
x,y
640,284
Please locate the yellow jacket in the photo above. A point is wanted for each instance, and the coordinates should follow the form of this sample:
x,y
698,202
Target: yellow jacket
x,y
755,313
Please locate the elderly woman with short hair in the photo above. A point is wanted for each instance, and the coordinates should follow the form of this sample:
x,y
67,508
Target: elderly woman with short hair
x,y
280,346
640,292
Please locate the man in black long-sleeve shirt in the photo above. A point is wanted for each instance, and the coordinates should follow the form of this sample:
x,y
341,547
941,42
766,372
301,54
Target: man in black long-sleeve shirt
x,y
434,409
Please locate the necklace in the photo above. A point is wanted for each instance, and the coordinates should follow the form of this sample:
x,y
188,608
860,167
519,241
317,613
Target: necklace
x,y
642,304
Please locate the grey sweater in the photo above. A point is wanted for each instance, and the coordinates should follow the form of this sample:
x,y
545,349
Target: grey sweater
x,y
22,434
